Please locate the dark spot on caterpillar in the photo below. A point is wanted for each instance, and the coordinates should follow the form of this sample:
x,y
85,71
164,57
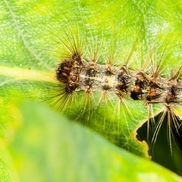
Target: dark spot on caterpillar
x,y
154,91
106,87
134,95
171,95
123,81
140,85
91,72
89,82
108,73
70,88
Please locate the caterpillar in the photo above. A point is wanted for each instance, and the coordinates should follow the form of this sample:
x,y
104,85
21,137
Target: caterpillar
x,y
106,97
78,74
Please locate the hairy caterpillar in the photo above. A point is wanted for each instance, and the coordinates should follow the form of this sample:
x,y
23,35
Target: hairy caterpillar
x,y
77,73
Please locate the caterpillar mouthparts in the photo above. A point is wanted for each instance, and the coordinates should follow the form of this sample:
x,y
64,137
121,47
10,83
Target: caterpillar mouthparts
x,y
78,74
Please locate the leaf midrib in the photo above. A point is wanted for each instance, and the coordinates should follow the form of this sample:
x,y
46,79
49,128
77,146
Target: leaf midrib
x,y
27,74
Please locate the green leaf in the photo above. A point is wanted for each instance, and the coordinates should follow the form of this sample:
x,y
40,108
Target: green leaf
x,y
30,49
48,147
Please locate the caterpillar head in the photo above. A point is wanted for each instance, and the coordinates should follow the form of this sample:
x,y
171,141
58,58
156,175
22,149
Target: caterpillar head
x,y
68,72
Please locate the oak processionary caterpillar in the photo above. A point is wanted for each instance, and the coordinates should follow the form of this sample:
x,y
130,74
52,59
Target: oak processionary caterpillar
x,y
77,73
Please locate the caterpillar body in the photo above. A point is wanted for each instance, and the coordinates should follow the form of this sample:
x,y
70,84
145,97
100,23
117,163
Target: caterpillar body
x,y
78,74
